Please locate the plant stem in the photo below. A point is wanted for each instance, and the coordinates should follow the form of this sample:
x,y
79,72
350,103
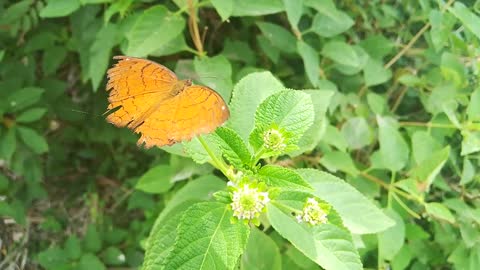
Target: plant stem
x,y
216,162
390,193
258,156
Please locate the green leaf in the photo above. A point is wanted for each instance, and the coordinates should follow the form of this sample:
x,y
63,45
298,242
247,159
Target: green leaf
x,y
468,18
15,11
440,211
294,10
357,133
311,138
281,177
33,140
256,7
335,138
391,240
336,160
289,110
233,147
8,144
73,249
272,52
53,57
473,109
310,61
428,169
468,172
163,234
453,69
377,103
348,202
31,115
88,261
394,150
152,30
92,241
423,145
216,73
375,73
244,104
224,8
197,152
331,22
278,36
470,142
100,53
329,246
23,98
59,8
261,253
156,180
377,46
52,258
342,53
113,256
207,239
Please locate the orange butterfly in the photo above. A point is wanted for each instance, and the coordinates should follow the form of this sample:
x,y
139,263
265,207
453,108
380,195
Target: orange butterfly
x,y
152,101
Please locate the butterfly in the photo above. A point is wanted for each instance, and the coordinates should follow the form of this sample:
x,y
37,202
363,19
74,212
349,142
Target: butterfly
x,y
149,99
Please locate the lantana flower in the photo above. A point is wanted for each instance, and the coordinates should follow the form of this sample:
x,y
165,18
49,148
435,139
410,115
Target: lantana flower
x,y
248,201
312,213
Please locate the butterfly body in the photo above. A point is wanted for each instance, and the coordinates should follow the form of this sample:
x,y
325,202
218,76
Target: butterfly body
x,y
151,101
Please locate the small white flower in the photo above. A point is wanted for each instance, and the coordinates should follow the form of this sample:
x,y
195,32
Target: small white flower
x,y
248,203
273,139
312,213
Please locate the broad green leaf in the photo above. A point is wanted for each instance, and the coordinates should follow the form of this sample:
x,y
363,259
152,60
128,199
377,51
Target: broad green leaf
x,y
321,100
100,53
153,29
468,172
224,8
15,11
470,142
92,241
331,23
310,61
329,246
272,52
440,211
33,140
52,257
393,148
278,36
261,253
216,73
375,73
197,152
377,46
453,69
357,133
342,53
294,10
468,18
207,239
31,115
119,6
335,138
233,147
290,111
336,160
473,109
72,248
23,98
256,7
156,180
377,103
423,145
8,144
163,234
281,177
89,261
53,58
59,8
348,202
3,183
247,95
441,95
113,256
391,240
428,169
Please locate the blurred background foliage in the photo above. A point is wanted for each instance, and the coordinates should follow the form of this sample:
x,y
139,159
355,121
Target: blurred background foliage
x,y
405,115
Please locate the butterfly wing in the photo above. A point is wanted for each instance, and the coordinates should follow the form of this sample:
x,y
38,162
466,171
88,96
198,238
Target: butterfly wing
x,y
136,85
196,110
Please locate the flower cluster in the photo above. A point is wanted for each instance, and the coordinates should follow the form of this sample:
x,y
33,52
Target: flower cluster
x,y
273,140
312,213
248,202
